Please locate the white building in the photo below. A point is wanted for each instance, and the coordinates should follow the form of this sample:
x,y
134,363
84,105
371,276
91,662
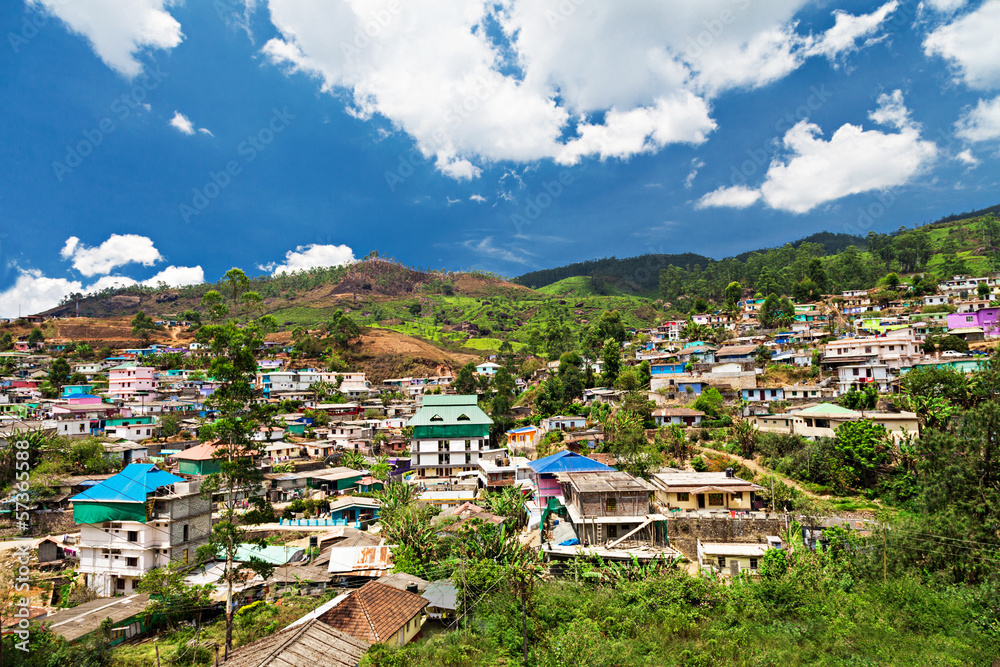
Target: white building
x,y
449,435
352,385
138,520
896,349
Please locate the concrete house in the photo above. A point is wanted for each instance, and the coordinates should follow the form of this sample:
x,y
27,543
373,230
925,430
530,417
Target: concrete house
x,y
823,419
137,520
376,613
732,558
763,394
449,432
563,423
678,415
714,491
126,380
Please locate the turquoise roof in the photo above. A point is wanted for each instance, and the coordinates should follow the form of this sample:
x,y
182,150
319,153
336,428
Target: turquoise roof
x,y
446,410
273,554
829,409
131,485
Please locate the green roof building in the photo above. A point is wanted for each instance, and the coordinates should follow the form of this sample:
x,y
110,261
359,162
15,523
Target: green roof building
x,y
449,434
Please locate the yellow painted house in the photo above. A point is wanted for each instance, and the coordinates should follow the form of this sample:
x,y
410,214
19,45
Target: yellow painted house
x,y
379,614
523,436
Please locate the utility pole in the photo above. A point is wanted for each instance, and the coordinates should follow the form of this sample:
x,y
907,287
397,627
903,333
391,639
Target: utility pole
x,y
885,529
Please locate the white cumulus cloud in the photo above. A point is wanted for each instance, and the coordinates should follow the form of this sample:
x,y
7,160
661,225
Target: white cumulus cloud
x,y
947,6
848,29
813,171
182,123
479,82
178,276
737,196
311,256
118,250
970,45
981,123
33,292
117,30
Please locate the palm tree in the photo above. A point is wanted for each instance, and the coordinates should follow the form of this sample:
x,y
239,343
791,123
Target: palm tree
x,y
353,460
380,469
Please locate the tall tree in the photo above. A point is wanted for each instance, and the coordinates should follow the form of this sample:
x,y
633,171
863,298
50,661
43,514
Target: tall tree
x,y
465,381
142,326
236,282
611,355
212,302
234,367
59,372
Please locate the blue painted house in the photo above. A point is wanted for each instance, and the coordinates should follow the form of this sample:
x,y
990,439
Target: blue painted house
x,y
354,511
667,366
75,390
763,394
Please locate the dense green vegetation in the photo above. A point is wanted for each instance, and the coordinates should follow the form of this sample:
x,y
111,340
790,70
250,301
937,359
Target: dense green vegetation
x,y
824,263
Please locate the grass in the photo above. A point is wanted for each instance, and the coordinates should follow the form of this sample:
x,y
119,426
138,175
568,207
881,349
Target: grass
x,y
249,626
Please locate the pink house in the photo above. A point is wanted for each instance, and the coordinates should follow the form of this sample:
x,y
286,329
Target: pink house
x,y
126,380
84,399
987,318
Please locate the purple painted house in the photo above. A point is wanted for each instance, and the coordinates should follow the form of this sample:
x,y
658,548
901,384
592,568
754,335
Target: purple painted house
x,y
987,318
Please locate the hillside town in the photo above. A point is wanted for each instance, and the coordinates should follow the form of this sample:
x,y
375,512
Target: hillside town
x,y
167,485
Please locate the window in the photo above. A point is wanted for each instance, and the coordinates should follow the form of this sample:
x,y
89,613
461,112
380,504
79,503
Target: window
x,y
133,536
683,497
611,505
120,584
132,561
185,538
612,531
753,563
721,560
715,500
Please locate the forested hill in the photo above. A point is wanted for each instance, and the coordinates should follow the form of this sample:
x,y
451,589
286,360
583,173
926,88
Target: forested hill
x,y
633,274
953,244
832,243
641,275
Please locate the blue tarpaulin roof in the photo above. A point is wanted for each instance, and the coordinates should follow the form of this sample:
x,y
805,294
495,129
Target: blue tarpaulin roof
x,y
131,485
566,461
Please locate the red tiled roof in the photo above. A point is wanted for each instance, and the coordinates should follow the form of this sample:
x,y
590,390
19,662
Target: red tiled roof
x,y
374,612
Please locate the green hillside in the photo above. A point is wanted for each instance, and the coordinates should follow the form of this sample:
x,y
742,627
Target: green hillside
x,y
956,244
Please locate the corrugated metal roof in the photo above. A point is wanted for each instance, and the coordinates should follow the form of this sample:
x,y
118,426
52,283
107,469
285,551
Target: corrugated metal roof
x,y
566,461
131,485
440,413
370,561
274,554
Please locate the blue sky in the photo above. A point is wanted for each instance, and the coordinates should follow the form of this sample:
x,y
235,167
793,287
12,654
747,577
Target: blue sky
x,y
159,140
